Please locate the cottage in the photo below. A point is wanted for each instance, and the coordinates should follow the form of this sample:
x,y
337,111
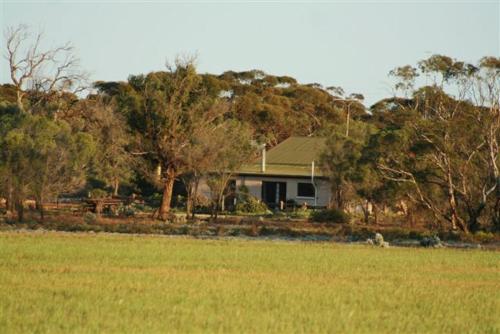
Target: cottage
x,y
287,173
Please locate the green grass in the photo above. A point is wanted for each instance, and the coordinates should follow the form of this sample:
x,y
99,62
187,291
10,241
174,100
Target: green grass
x,y
110,283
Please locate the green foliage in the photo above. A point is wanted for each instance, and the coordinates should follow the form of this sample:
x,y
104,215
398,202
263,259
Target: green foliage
x,y
89,218
433,152
127,210
233,147
246,203
98,193
300,213
42,158
334,216
111,163
342,162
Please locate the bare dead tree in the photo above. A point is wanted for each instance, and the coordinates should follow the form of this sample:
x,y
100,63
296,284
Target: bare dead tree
x,y
47,72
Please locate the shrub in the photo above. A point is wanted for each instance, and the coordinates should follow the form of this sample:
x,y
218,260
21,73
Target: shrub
x,y
301,213
482,236
126,210
235,232
140,207
154,200
432,241
279,214
335,216
254,230
250,204
89,218
220,231
98,193
179,201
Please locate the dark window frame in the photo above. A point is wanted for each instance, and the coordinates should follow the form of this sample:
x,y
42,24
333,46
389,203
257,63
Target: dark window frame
x,y
305,190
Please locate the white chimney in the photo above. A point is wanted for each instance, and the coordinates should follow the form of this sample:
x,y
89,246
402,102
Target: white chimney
x,y
158,172
263,165
312,171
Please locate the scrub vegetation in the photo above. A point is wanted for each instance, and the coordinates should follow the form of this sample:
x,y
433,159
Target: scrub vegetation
x,y
429,154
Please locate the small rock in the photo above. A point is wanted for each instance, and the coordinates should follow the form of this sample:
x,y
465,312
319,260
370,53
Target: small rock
x,y
379,239
433,241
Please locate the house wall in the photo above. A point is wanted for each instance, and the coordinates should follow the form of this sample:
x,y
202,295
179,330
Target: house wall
x,y
254,185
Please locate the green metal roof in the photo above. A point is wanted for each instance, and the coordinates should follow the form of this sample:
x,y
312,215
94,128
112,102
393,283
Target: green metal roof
x,y
292,157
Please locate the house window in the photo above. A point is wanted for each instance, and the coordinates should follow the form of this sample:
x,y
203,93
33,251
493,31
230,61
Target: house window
x,y
305,190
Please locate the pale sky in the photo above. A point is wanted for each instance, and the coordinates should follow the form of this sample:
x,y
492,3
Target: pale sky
x,y
352,44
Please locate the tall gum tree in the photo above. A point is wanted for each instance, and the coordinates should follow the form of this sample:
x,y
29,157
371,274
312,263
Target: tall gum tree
x,y
452,154
168,109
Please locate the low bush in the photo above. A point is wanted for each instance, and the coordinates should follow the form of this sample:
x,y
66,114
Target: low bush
x,y
139,207
98,193
126,210
432,241
301,213
484,237
250,204
220,231
89,218
334,216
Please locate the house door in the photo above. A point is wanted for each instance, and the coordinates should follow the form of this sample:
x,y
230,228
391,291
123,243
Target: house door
x,y
273,193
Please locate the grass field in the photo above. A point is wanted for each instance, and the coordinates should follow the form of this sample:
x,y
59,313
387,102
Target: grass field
x,y
56,282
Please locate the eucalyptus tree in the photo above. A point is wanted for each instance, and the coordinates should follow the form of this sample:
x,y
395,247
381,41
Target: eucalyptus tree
x,y
113,162
349,103
231,146
168,109
44,158
448,154
340,161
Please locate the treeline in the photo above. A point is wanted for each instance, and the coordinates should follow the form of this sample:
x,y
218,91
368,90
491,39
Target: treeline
x,y
432,154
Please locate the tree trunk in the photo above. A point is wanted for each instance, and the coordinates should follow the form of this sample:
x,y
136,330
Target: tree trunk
x,y
195,198
20,210
455,219
116,185
375,213
39,206
216,206
474,214
366,211
9,204
339,198
347,122
42,212
167,194
189,202
20,101
496,215
410,217
98,207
